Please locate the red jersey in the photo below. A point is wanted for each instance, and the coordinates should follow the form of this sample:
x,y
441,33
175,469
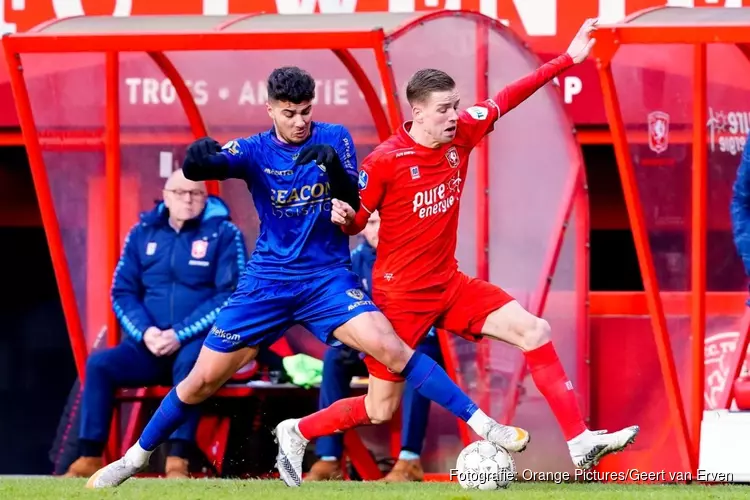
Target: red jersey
x,y
417,191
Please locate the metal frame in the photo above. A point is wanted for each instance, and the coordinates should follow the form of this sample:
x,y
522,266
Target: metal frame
x,y
609,39
386,121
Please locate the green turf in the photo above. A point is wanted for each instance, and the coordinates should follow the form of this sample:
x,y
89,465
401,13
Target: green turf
x,y
212,489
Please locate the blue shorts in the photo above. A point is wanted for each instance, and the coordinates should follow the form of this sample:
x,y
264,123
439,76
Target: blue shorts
x,y
261,310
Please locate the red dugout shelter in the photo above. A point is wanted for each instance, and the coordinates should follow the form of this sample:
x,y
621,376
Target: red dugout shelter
x,y
676,83
96,163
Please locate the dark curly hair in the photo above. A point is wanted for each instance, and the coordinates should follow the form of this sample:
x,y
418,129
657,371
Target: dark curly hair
x,y
291,84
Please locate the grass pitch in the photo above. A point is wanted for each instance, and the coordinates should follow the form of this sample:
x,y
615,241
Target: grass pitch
x,y
48,488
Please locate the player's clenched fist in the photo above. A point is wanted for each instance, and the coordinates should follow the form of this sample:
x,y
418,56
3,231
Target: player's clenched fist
x,y
323,154
200,150
203,161
343,185
342,214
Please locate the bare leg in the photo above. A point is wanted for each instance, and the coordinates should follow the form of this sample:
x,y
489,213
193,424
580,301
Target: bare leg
x,y
516,326
372,334
212,369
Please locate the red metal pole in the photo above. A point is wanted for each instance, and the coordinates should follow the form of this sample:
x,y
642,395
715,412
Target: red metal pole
x,y
195,120
482,156
371,96
112,182
47,211
112,176
582,252
645,260
385,69
698,247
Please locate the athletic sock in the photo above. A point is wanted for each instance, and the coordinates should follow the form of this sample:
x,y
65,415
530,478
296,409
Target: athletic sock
x,y
408,455
550,378
171,414
479,422
340,416
431,381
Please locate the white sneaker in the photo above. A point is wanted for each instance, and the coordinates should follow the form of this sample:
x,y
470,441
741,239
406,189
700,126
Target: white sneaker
x,y
114,474
291,452
587,449
511,438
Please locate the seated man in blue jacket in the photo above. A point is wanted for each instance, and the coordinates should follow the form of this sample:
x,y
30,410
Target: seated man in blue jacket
x,y
179,264
341,364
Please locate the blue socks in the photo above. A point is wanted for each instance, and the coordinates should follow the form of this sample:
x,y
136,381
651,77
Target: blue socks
x,y
431,381
171,414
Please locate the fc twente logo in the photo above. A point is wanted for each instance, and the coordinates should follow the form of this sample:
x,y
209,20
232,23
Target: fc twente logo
x,y
658,131
452,156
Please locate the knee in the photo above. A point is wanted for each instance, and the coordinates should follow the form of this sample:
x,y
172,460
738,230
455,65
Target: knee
x,y
390,349
96,364
197,386
533,333
394,352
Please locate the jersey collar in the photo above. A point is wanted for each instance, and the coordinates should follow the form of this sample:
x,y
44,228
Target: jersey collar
x,y
291,147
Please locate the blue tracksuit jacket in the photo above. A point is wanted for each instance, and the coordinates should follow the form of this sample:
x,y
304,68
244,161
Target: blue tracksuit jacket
x,y
177,280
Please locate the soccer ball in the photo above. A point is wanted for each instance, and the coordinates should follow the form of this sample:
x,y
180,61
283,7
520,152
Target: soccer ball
x,y
484,466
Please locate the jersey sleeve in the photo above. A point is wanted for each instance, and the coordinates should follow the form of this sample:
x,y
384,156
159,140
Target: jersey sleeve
x,y
372,182
373,178
474,122
240,153
478,120
347,153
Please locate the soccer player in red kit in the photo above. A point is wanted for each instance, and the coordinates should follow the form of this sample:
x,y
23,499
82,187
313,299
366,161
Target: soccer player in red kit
x,y
415,180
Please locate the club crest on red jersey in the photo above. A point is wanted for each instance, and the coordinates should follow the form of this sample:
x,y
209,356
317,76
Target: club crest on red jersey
x,y
452,156
658,131
199,249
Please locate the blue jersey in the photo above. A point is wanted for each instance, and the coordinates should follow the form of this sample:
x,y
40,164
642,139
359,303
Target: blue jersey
x,y
297,239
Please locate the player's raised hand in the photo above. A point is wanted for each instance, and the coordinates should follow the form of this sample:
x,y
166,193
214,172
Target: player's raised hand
x,y
342,214
322,154
201,149
582,43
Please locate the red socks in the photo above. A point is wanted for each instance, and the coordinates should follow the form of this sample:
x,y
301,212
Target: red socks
x,y
342,415
549,377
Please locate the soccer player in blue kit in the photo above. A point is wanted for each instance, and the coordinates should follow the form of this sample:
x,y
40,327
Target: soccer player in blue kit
x,y
299,273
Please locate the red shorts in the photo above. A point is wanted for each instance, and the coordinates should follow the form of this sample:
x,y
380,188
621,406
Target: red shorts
x,y
461,307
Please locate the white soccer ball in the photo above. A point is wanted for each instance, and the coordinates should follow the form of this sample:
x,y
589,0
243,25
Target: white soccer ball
x,y
484,466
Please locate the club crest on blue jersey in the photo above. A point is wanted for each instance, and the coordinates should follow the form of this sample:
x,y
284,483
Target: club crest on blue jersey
x,y
233,147
362,179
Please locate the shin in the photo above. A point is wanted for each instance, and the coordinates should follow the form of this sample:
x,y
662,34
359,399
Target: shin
x,y
212,369
514,325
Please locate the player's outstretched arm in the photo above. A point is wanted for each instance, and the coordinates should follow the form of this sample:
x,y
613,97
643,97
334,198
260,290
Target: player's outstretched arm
x,y
343,186
204,161
523,88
